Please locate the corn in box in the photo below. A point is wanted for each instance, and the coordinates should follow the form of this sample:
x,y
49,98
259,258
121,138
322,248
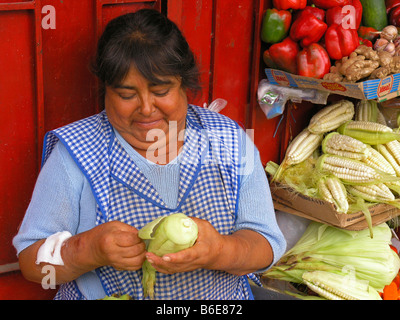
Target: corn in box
x,y
343,169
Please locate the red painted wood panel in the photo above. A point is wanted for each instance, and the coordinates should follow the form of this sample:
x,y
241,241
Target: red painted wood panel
x,y
47,84
232,56
18,147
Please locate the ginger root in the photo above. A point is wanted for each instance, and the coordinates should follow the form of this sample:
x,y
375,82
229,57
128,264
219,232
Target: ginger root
x,y
360,64
367,52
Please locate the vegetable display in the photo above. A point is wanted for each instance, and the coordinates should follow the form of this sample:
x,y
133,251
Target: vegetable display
x,y
342,30
350,163
167,234
347,155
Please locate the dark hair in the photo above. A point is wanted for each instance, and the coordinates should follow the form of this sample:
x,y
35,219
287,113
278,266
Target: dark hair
x,y
152,43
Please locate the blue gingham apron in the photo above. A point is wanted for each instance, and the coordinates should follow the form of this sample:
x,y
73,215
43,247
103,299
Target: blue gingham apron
x,y
208,189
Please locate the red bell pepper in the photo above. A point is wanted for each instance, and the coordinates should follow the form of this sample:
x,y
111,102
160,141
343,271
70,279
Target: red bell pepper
x,y
319,13
340,42
282,55
394,16
368,33
390,4
350,17
313,61
307,29
289,4
326,4
365,42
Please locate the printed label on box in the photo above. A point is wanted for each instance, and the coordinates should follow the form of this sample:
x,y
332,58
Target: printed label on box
x,y
385,86
281,78
333,86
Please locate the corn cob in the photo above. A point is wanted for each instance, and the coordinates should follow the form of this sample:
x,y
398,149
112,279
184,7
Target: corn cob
x,y
390,152
334,286
371,133
331,189
345,146
373,193
331,117
368,110
301,147
348,170
377,161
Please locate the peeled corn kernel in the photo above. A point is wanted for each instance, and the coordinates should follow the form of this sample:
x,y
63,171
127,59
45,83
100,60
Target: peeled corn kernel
x,y
301,147
345,146
368,110
331,117
377,161
371,133
373,193
390,154
348,170
336,286
331,189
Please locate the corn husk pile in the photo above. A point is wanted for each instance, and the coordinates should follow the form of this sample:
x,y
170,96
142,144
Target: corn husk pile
x,y
339,264
347,156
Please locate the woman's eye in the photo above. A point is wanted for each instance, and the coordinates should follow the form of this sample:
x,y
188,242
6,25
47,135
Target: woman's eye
x,y
127,96
161,93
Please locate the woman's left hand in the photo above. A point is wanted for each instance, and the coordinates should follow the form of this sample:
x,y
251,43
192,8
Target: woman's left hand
x,y
203,254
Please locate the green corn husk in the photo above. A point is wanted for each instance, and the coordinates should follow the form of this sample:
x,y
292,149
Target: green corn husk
x,y
300,177
326,248
369,135
165,235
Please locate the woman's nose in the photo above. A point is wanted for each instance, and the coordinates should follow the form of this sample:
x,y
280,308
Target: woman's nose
x,y
147,106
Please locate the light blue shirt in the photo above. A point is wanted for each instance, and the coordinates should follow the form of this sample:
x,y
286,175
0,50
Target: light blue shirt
x,y
63,201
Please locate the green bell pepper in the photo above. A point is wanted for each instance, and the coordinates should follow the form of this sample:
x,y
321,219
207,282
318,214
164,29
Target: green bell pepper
x,y
275,25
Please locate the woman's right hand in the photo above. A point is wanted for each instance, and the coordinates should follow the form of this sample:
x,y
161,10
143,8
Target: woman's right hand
x,y
117,244
113,243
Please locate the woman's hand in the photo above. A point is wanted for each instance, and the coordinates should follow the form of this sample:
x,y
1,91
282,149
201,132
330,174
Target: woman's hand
x,y
242,252
117,244
113,243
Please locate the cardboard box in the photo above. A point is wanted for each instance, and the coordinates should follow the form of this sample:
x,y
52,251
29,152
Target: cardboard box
x,y
379,89
288,200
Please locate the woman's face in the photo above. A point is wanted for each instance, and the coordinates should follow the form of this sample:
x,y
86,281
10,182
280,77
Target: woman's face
x,y
138,110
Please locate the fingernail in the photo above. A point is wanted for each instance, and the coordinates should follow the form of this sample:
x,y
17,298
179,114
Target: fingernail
x,y
150,261
166,259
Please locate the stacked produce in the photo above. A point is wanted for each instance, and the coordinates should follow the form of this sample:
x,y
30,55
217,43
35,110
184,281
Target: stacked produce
x,y
346,157
337,40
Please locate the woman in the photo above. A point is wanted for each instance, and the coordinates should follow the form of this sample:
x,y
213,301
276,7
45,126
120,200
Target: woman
x,y
148,154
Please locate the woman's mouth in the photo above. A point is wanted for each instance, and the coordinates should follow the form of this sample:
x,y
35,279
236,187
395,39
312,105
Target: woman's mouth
x,y
148,124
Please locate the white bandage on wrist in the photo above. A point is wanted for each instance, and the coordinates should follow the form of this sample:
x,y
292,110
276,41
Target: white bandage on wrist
x,y
50,250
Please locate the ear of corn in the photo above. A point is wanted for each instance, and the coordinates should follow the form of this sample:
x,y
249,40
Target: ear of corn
x,y
371,133
331,189
335,286
301,147
345,146
368,110
331,117
377,161
373,193
167,234
390,153
348,170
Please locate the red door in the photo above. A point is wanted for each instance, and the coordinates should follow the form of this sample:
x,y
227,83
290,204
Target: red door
x,y
45,82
